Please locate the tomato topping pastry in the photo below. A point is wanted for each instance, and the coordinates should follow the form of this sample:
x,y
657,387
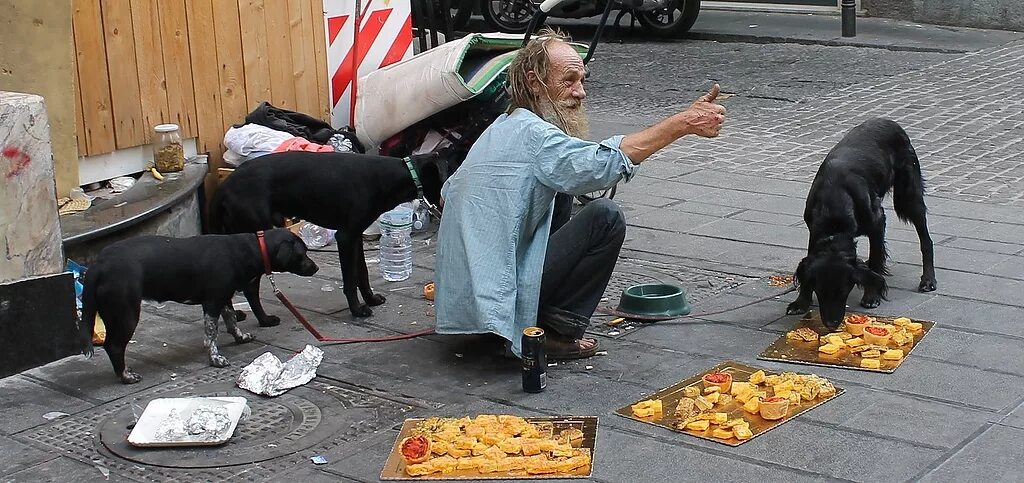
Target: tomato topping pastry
x,y
858,319
879,331
717,377
415,449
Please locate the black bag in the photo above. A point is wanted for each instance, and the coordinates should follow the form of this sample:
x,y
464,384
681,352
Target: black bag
x,y
299,124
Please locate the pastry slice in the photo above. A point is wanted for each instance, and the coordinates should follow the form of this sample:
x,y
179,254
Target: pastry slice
x,y
742,433
698,425
752,406
691,391
755,378
893,355
870,363
871,354
721,433
829,349
901,321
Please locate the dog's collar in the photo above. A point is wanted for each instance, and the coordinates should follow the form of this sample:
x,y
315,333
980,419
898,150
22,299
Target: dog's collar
x,y
263,252
415,178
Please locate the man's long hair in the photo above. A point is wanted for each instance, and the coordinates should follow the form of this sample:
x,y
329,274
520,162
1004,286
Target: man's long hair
x,y
532,57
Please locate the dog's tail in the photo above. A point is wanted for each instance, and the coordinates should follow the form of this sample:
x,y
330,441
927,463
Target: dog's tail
x,y
908,182
88,322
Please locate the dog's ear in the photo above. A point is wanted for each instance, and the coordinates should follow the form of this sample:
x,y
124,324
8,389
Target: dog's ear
x,y
803,272
865,277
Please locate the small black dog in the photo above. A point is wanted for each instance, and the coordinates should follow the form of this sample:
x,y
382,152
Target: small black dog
x,y
203,270
845,201
342,191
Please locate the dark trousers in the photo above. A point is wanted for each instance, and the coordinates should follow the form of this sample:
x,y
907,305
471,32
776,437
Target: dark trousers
x,y
581,255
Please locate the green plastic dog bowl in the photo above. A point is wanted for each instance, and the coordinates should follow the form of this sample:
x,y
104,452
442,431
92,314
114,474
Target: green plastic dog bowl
x,y
655,300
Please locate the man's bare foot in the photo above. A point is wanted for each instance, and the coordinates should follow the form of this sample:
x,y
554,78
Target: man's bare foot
x,y
561,349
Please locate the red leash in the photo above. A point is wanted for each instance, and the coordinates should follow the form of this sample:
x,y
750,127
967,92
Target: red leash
x,y
305,323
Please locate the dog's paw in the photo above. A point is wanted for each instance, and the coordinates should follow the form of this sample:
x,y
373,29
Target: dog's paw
x,y
243,338
239,315
375,300
270,321
797,308
927,285
219,361
870,302
362,311
130,377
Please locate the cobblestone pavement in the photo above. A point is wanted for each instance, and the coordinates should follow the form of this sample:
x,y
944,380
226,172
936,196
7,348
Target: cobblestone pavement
x,y
964,113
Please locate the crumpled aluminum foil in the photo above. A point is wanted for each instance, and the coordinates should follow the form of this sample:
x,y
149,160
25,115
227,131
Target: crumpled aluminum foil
x,y
212,420
266,374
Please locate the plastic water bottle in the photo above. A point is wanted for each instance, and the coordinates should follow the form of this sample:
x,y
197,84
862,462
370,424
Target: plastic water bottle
x,y
420,217
396,243
315,236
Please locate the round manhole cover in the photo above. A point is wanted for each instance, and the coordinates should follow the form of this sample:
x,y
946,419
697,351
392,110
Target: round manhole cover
x,y
276,427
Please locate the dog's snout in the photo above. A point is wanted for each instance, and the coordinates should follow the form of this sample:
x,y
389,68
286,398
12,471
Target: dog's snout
x,y
309,267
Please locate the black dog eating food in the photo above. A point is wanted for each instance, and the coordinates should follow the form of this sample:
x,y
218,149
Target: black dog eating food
x,y
845,202
203,270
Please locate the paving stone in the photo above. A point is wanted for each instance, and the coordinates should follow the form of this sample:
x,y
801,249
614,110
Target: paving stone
x,y
839,453
993,453
764,234
15,456
1009,267
972,315
984,351
926,423
58,470
747,200
769,218
1015,418
672,221
702,208
26,401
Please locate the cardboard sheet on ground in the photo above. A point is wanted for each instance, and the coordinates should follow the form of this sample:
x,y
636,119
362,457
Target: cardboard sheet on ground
x,y
187,421
786,349
733,410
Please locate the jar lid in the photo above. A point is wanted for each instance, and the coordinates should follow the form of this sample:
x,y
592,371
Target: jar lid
x,y
165,127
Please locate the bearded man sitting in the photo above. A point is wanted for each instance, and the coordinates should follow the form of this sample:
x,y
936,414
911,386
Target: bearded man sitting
x,y
507,257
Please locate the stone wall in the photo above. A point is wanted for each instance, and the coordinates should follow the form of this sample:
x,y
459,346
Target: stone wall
x,y
30,239
990,14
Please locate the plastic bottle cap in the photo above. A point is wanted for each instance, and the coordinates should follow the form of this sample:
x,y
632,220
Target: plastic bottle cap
x,y
165,127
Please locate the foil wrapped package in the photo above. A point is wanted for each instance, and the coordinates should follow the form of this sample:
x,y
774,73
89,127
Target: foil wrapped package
x,y
201,420
268,376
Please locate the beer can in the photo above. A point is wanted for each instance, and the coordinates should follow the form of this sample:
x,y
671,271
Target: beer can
x,y
535,360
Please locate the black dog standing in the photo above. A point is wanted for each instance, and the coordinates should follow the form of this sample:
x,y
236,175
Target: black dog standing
x,y
845,202
343,191
203,270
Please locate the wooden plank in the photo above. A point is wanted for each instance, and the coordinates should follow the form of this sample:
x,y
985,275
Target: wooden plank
x,y
316,8
79,119
205,79
303,68
91,61
148,51
229,58
282,81
177,60
255,53
129,128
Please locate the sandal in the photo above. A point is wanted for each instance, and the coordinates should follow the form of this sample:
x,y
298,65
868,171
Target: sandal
x,y
559,349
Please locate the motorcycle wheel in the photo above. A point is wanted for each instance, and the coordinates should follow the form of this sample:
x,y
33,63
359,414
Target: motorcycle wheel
x,y
461,13
671,22
510,16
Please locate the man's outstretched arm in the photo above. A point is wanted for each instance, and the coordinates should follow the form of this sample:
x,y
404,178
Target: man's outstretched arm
x,y
704,118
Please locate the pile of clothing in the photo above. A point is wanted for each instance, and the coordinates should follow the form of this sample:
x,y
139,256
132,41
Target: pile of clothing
x,y
269,129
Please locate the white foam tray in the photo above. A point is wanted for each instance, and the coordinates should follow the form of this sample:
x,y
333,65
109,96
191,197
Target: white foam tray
x,y
144,432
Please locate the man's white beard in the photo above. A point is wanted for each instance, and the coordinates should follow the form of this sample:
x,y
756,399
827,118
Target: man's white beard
x,y
568,115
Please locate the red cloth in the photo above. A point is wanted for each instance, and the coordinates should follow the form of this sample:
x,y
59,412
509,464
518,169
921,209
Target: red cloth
x,y
302,144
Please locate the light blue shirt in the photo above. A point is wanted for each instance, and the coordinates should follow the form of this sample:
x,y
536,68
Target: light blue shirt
x,y
497,217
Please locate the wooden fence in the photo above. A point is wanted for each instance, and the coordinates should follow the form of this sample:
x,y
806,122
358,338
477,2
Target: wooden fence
x,y
202,64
